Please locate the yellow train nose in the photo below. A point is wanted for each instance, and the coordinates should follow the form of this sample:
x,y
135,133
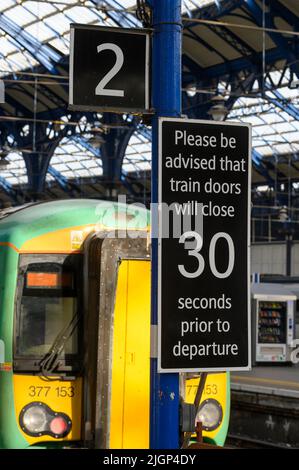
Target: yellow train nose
x,y
48,411
214,408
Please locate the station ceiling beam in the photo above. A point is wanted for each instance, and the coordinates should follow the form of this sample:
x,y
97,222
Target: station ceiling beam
x,y
280,102
44,54
238,65
122,19
215,10
63,182
83,141
280,41
279,9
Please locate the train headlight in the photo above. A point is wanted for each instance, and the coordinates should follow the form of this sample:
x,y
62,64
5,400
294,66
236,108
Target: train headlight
x,y
210,414
37,419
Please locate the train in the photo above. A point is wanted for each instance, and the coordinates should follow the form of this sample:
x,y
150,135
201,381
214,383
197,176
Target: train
x,y
75,330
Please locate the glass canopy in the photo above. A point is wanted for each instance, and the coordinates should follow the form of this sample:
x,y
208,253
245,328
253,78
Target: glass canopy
x,y
275,130
72,160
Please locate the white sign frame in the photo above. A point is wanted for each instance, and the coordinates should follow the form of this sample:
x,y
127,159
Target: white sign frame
x,y
206,369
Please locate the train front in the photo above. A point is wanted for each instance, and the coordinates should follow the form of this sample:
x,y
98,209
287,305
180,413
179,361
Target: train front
x,y
75,329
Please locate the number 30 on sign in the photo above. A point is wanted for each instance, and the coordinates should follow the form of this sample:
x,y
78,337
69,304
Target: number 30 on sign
x,y
201,262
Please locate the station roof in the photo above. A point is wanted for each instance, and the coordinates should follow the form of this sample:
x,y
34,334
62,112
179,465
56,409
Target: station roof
x,y
225,50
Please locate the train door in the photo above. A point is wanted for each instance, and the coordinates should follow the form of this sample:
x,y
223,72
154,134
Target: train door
x,y
117,360
130,381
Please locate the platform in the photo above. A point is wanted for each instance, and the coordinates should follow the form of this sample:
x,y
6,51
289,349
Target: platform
x,y
274,380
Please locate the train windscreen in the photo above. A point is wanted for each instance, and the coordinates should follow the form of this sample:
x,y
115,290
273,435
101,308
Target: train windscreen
x,y
48,312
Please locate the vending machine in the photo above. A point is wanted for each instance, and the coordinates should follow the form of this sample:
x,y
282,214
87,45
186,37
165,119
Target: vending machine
x,y
273,316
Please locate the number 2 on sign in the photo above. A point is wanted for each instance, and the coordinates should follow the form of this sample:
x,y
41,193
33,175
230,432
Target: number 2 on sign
x,y
189,245
100,88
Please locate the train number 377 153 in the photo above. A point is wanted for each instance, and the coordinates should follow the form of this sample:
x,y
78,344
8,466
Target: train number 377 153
x,y
44,391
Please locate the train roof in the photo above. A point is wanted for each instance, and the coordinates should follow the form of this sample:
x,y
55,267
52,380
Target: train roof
x,y
11,210
33,220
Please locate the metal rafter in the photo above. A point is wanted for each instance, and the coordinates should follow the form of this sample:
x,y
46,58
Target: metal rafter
x,y
279,40
83,141
43,53
279,9
282,103
216,10
122,19
243,63
63,182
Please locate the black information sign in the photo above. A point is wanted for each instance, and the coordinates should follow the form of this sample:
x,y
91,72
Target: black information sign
x,y
204,192
109,69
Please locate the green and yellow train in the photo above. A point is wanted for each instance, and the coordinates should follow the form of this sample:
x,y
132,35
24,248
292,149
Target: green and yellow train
x,y
75,330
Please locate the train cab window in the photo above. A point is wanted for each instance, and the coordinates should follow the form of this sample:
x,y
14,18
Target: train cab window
x,y
48,313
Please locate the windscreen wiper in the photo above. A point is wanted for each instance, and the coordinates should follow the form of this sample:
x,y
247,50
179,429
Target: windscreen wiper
x,y
50,362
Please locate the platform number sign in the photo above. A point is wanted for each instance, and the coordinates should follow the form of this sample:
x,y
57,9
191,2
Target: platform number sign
x,y
204,220
109,69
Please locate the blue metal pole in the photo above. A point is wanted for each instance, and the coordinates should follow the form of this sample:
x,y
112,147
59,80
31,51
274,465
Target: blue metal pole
x,y
166,92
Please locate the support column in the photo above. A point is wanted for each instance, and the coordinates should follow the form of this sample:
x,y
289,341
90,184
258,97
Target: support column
x,y
114,148
37,161
166,92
